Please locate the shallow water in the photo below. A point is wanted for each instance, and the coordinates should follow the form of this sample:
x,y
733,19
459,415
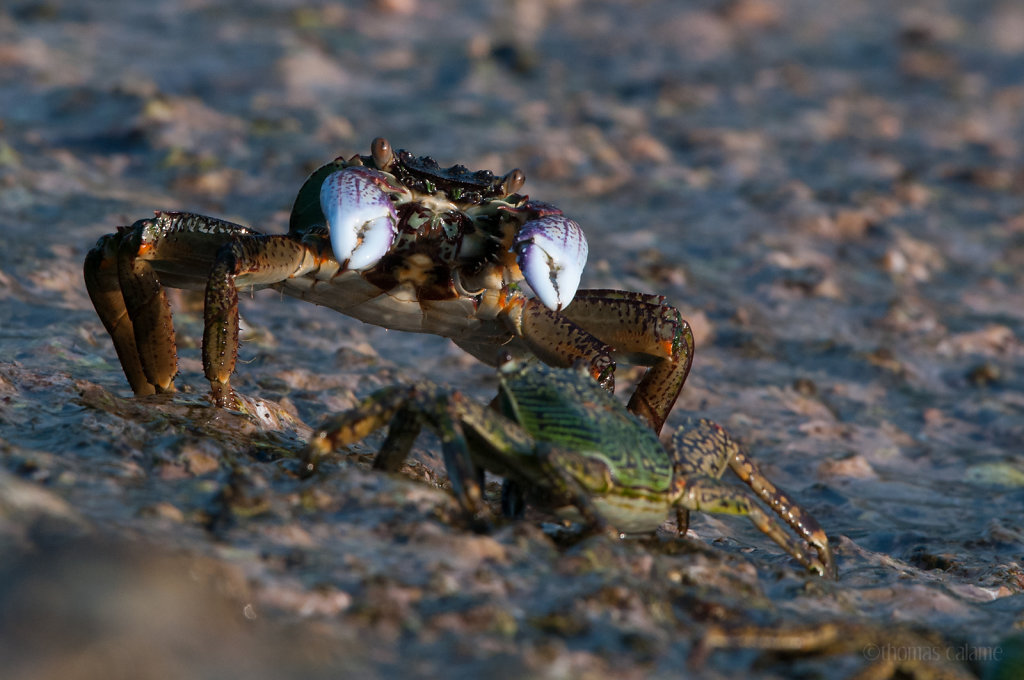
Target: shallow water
x,y
833,197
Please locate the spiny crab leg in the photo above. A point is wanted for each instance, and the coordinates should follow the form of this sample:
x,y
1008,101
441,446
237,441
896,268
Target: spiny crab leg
x,y
551,252
361,218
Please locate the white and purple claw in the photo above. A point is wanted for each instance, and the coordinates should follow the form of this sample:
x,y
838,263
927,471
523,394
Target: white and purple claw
x,y
551,252
361,218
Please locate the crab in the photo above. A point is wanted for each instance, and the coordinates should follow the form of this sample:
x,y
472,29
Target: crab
x,y
397,241
561,441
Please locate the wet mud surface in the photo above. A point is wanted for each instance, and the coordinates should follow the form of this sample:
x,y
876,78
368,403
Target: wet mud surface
x,y
832,194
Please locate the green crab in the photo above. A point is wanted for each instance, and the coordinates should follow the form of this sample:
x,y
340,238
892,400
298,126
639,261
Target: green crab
x,y
562,441
397,241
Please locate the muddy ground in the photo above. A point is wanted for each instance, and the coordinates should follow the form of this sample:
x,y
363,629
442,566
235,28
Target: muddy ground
x,y
832,193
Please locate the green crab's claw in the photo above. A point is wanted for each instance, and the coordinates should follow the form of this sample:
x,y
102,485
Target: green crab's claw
x,y
551,252
361,218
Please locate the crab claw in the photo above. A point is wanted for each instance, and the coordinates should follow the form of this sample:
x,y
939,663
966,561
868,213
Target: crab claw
x,y
361,218
551,252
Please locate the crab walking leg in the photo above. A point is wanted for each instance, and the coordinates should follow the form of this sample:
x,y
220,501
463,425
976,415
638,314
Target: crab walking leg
x,y
464,475
795,516
405,427
149,311
407,409
704,449
258,261
104,287
711,495
372,413
642,330
473,436
440,410
508,450
699,448
125,274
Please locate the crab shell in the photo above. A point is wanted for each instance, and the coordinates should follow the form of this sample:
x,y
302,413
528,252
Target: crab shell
x,y
551,249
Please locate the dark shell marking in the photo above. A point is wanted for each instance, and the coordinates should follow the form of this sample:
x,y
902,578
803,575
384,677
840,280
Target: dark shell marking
x,y
459,183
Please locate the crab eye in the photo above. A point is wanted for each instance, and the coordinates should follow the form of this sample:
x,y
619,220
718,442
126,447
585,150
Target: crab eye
x,y
512,182
382,153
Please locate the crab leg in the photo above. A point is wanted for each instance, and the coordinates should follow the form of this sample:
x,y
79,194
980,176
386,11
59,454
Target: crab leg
x,y
802,523
473,436
104,284
703,450
408,409
640,329
437,408
125,274
259,261
149,312
551,337
711,495
599,327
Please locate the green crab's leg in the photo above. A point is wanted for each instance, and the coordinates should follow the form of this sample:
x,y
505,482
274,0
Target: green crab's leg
x,y
643,330
371,414
699,449
407,409
494,442
463,474
800,520
404,428
507,449
704,449
255,260
105,290
712,495
398,407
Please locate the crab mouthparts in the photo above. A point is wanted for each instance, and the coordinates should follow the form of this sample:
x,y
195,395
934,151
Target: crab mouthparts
x,y
360,216
552,252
